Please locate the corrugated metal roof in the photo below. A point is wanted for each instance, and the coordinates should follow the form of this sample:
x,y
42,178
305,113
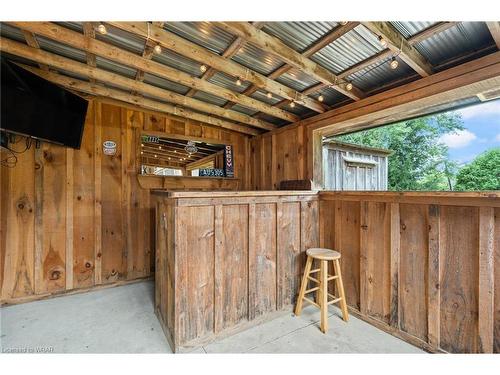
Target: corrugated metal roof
x,y
273,120
115,67
297,79
12,32
408,29
75,26
256,59
331,96
262,96
165,84
228,82
123,39
298,35
174,60
353,47
205,34
61,49
459,40
379,74
209,98
245,110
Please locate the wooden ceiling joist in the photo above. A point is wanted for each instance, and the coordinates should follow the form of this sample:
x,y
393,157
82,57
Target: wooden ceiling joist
x,y
273,45
74,39
89,32
400,46
104,76
98,90
204,56
32,42
494,28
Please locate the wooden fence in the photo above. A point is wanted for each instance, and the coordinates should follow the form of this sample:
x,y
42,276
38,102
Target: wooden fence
x,y
422,266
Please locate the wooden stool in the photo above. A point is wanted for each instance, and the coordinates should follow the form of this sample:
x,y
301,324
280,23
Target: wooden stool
x,y
323,255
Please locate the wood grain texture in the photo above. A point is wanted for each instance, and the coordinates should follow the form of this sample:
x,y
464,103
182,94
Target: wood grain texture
x,y
496,298
85,218
413,269
458,244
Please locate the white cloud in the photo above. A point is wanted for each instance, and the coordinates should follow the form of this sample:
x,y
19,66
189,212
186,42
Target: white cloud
x,y
480,110
460,138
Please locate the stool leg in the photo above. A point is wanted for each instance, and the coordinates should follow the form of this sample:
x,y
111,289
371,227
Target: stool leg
x,y
324,296
340,287
303,286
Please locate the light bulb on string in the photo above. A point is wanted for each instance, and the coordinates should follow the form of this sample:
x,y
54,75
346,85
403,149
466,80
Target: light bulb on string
x,y
348,87
394,63
382,41
157,49
101,29
238,82
292,104
203,68
321,98
269,95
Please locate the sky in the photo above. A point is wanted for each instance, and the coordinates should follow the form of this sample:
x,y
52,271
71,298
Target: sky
x,y
482,132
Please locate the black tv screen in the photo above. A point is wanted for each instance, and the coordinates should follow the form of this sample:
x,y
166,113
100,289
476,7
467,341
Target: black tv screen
x,y
35,107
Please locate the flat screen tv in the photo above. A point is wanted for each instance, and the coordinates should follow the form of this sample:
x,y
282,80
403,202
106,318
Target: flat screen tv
x,y
34,107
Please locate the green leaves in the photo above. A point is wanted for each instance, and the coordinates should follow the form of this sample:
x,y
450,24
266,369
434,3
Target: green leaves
x,y
483,173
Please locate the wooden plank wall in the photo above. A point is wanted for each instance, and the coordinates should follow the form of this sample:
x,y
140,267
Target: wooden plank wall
x,y
424,269
278,156
73,219
237,260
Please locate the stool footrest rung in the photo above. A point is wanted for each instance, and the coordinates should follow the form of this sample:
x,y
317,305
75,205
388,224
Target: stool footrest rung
x,y
334,301
332,277
311,290
311,302
313,279
314,271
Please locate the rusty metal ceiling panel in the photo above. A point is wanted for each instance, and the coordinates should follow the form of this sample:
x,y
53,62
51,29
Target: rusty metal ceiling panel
x,y
256,59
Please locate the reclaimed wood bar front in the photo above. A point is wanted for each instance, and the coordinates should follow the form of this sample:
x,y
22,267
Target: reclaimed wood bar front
x,y
226,261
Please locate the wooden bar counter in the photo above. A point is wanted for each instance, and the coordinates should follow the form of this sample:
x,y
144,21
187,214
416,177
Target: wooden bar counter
x,y
228,260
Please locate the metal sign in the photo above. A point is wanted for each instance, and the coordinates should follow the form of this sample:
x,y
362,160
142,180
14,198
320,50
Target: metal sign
x,y
109,148
228,161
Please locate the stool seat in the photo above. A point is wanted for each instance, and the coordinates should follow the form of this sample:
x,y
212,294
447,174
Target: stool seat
x,y
323,296
323,254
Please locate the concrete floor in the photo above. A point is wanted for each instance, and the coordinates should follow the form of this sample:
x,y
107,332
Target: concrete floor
x,y
121,320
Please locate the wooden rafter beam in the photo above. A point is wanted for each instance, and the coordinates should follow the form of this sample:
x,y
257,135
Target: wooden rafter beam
x,y
275,46
98,90
494,28
186,48
74,39
399,45
147,53
309,51
32,42
132,85
89,32
230,51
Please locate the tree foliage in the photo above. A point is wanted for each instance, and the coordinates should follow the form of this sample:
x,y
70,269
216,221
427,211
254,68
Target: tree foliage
x,y
419,161
483,173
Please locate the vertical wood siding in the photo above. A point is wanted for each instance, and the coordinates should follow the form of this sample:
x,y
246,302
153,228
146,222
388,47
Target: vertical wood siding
x,y
425,269
74,219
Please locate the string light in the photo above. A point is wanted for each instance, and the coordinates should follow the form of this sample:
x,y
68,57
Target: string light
x,y
321,98
101,29
238,82
142,144
142,152
203,68
157,49
269,95
348,87
292,104
159,147
169,158
394,63
382,41
156,156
